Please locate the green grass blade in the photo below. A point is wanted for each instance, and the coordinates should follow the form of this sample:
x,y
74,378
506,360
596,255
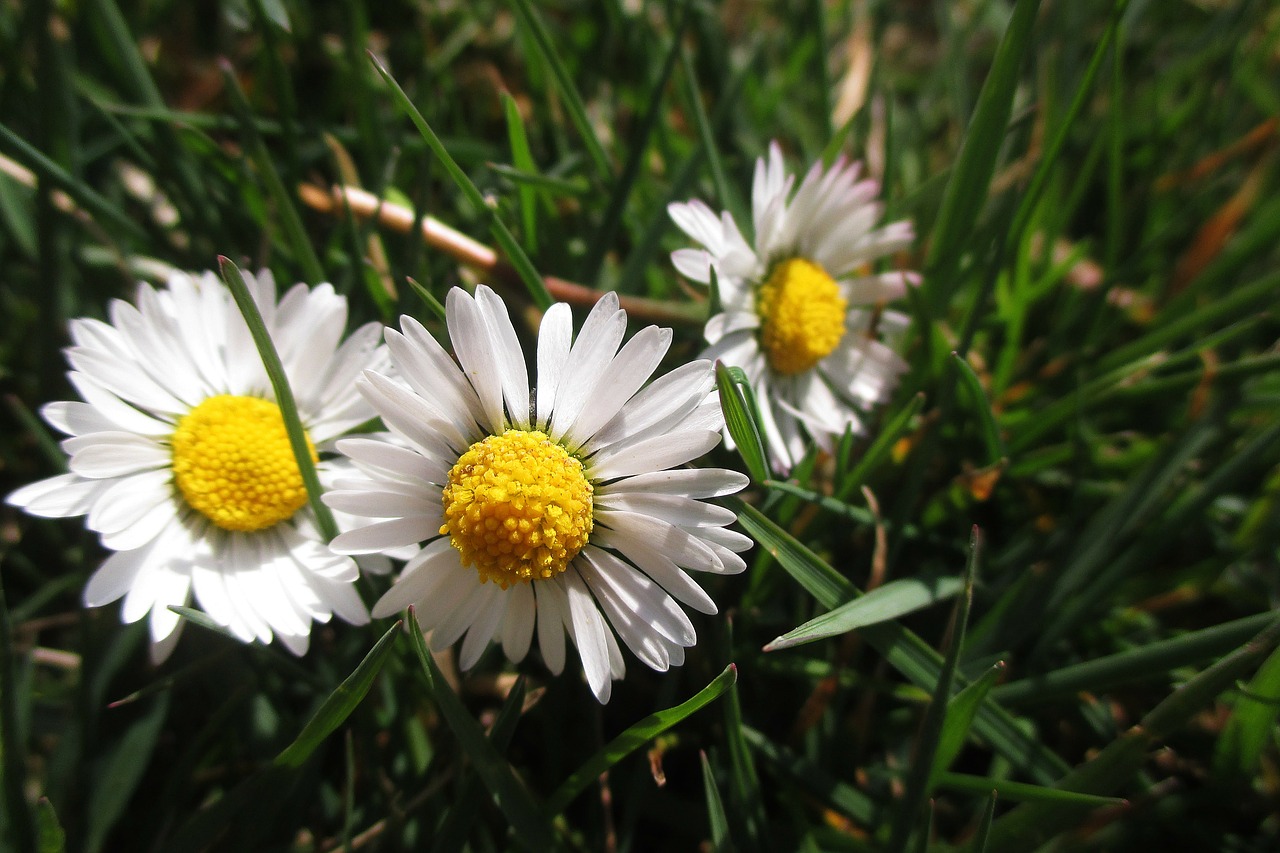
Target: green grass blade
x,y
1151,662
1252,724
825,584
979,844
980,406
80,192
1032,824
22,829
203,620
813,779
121,772
290,220
719,822
966,191
880,447
506,240
522,159
636,736
1021,792
894,599
577,110
706,135
738,404
916,796
452,835
960,713
52,838
340,703
527,818
284,395
744,782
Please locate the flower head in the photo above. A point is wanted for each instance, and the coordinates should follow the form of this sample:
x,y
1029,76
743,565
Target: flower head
x,y
561,510
793,299
179,457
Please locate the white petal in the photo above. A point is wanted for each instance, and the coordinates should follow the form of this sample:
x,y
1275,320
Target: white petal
x,y
508,356
58,497
474,349
690,482
592,352
675,509
552,616
662,451
518,621
658,566
482,629
114,454
628,371
680,546
588,634
383,535
555,337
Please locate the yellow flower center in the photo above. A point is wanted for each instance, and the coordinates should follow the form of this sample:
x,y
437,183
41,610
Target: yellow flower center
x,y
801,315
233,463
517,507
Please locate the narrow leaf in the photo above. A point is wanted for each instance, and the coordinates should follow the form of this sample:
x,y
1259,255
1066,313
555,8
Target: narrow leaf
x,y
522,158
1021,792
284,394
738,404
960,712
894,599
719,822
52,837
979,404
527,818
340,703
633,738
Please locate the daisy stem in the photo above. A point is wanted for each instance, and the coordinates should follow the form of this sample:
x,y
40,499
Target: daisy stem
x,y
284,395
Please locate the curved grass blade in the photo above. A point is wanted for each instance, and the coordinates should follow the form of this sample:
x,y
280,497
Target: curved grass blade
x,y
340,703
894,599
979,844
284,395
635,737
528,819
879,448
506,240
739,406
121,772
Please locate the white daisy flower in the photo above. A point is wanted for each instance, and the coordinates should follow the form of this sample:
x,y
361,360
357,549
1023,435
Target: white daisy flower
x,y
179,457
561,509
790,317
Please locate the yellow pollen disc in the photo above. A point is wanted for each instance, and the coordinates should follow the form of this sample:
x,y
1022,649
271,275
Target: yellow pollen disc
x,y
801,315
233,463
517,507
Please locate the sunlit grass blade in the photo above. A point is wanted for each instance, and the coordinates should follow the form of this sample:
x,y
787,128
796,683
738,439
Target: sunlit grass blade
x,y
295,233
966,192
894,599
340,703
981,406
636,736
828,587
916,795
202,620
740,416
527,818
528,17
522,159
719,822
1033,824
433,304
1136,666
284,394
506,240
960,713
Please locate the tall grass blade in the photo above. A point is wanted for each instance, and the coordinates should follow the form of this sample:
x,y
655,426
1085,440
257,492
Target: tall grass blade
x,y
741,417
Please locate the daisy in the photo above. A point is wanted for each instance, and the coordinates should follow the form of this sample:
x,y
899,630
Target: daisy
x,y
179,457
561,510
790,299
